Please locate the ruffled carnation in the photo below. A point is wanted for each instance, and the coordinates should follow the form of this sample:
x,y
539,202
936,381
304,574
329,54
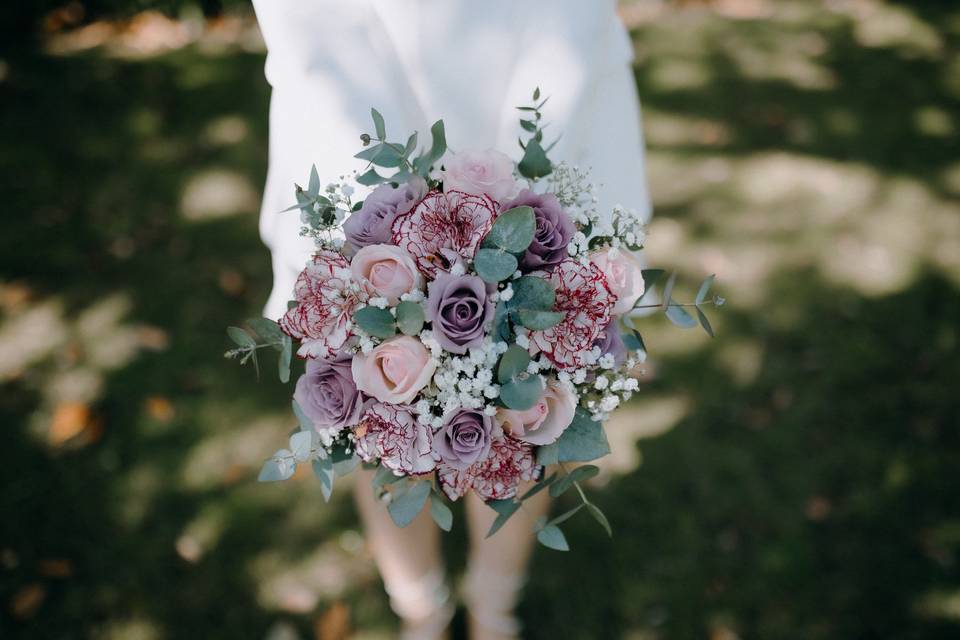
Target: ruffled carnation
x,y
326,296
585,300
392,434
497,476
442,225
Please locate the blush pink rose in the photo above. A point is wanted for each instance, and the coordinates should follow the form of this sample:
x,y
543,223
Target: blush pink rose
x,y
623,273
545,421
480,173
388,269
395,371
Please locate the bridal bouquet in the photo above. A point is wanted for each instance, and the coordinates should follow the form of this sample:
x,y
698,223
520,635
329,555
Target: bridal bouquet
x,y
465,327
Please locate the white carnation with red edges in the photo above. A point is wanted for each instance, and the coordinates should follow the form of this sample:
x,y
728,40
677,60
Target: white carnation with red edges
x,y
443,223
326,297
584,298
392,434
497,476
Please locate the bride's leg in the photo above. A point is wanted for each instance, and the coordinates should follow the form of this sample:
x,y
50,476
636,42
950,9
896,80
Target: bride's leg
x,y
410,564
497,566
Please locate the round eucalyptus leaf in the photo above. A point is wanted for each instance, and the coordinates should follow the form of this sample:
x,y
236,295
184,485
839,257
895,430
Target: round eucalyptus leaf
x,y
538,320
514,361
494,265
521,395
375,321
410,317
531,292
512,230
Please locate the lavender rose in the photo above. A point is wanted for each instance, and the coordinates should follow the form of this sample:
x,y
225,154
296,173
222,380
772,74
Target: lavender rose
x,y
553,233
612,342
458,308
328,396
373,222
464,439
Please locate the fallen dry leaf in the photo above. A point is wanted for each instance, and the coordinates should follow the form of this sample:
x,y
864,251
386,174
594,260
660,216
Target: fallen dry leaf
x,y
160,408
334,623
27,600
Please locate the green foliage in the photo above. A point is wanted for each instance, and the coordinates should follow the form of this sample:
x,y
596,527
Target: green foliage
x,y
494,265
522,392
534,163
531,292
584,440
538,320
376,322
324,470
512,230
440,512
410,317
505,509
579,474
422,164
407,499
552,537
513,362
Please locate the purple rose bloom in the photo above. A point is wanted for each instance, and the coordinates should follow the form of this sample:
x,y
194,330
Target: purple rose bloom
x,y
459,310
464,439
612,342
553,233
373,222
327,394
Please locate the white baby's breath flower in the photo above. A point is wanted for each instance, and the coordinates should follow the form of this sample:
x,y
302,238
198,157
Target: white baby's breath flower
x,y
600,383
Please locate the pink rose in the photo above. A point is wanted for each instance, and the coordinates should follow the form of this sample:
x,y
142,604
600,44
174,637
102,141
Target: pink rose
x,y
388,269
479,173
622,270
395,371
545,421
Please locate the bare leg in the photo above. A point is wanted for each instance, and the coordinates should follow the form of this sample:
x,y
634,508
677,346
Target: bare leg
x,y
497,566
410,564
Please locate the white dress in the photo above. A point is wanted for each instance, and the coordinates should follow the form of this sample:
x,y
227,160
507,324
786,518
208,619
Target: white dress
x,y
469,62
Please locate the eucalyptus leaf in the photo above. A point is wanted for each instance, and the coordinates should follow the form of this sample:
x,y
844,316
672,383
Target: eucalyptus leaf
x,y
584,440
544,482
534,163
551,537
383,476
313,187
280,467
306,424
563,517
286,356
548,454
407,501
704,322
668,290
679,316
512,230
346,465
301,443
504,509
440,512
439,146
704,289
378,124
411,145
376,322
323,469
528,125
632,341
240,337
597,514
494,265
513,361
371,178
538,320
501,323
269,331
410,317
577,475
531,292
522,394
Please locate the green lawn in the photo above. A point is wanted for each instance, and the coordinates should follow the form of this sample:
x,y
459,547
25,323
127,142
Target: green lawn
x,y
804,483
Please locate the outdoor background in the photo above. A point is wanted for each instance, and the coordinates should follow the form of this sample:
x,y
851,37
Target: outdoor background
x,y
796,477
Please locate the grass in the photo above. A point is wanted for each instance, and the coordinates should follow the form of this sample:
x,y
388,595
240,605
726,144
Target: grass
x,y
804,486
